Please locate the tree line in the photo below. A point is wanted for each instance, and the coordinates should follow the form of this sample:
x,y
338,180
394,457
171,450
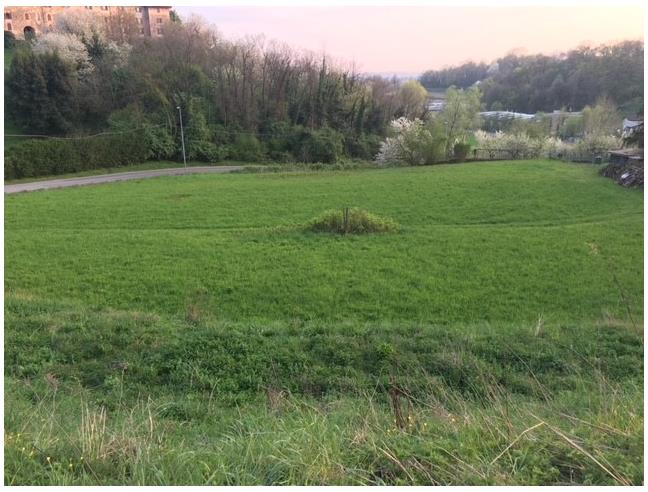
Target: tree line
x,y
246,100
570,80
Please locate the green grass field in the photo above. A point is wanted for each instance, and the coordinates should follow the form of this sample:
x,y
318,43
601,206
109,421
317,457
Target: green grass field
x,y
191,330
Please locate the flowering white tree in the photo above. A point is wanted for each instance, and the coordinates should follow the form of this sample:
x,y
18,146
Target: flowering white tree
x,y
411,142
79,23
556,148
521,146
492,143
592,145
68,47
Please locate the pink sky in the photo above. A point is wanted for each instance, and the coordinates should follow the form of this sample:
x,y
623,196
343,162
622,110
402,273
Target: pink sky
x,y
413,39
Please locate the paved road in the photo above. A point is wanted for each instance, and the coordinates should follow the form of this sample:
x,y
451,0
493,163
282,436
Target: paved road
x,y
109,178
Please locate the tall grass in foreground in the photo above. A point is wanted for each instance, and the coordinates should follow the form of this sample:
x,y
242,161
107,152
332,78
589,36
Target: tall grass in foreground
x,y
60,438
109,397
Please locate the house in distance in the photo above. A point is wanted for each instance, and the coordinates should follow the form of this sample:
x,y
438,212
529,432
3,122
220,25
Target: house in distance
x,y
28,22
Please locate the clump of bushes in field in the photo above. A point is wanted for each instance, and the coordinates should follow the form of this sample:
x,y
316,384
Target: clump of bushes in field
x,y
351,221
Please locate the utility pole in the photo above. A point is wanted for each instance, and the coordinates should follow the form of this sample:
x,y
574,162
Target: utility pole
x,y
184,156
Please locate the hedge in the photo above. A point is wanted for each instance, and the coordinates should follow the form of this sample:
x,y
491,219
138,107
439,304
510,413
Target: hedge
x,y
60,156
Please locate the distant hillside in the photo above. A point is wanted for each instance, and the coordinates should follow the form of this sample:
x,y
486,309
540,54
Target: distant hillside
x,y
543,83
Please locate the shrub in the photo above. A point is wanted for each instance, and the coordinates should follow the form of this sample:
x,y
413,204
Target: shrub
x,y
9,40
594,145
521,146
59,156
157,138
556,148
207,152
281,157
572,127
460,151
280,137
325,145
413,142
365,146
159,142
247,148
351,221
509,145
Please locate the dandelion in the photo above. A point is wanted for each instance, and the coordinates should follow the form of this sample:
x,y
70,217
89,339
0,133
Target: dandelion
x,y
70,465
49,459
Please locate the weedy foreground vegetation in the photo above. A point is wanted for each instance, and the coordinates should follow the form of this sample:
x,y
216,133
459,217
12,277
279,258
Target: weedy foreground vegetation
x,y
193,330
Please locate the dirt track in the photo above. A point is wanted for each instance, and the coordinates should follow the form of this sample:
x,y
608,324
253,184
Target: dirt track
x,y
110,178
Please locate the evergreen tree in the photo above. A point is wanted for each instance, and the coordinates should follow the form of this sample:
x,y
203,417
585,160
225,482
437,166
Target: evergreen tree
x,y
27,92
61,109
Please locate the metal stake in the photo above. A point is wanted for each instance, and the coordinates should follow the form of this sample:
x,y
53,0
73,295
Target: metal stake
x,y
184,156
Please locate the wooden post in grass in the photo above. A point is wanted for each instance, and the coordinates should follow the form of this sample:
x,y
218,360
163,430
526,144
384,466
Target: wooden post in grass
x,y
345,220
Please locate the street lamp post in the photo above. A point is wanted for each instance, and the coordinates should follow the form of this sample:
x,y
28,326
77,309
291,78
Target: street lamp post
x,y
184,156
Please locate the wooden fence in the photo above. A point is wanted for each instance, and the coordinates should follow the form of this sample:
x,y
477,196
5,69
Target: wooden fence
x,y
515,154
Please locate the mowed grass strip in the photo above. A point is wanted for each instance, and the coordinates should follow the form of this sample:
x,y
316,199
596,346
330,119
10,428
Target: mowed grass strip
x,y
497,241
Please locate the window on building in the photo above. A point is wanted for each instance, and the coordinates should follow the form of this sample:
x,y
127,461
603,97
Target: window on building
x,y
104,8
158,20
158,11
8,15
9,28
26,16
159,31
49,17
138,9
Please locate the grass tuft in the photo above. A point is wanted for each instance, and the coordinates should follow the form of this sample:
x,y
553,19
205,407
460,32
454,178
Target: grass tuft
x,y
351,221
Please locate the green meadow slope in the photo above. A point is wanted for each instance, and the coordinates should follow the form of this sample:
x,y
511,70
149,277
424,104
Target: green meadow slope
x,y
190,330
478,242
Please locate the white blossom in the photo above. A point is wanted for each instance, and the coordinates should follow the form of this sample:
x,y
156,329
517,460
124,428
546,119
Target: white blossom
x,y
68,47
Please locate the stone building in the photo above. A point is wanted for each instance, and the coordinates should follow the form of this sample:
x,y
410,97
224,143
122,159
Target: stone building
x,y
27,22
